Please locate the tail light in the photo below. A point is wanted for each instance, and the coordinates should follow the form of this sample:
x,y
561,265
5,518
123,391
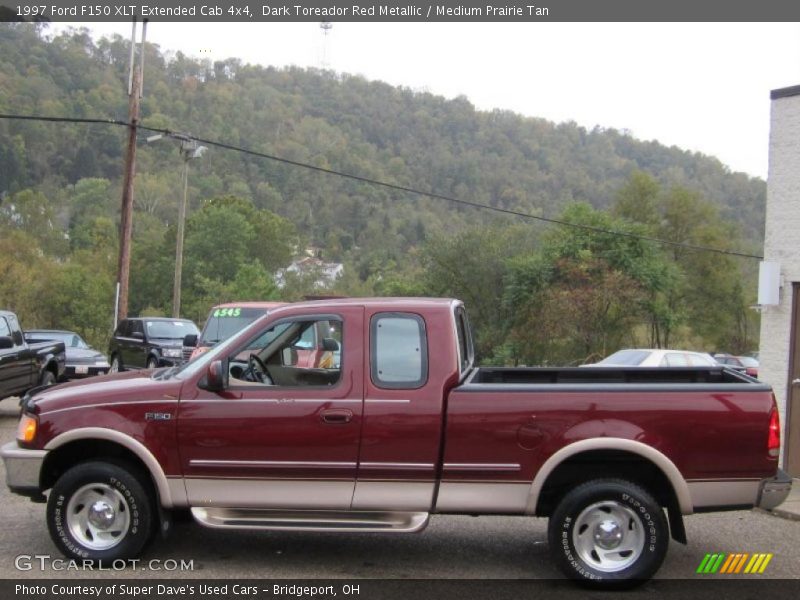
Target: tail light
x,y
774,436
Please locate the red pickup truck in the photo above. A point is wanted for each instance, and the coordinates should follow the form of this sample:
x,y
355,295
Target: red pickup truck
x,y
401,427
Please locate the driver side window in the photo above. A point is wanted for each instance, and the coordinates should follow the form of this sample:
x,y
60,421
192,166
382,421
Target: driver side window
x,y
298,353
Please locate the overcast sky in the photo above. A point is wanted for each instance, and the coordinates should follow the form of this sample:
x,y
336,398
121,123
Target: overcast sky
x,y
701,87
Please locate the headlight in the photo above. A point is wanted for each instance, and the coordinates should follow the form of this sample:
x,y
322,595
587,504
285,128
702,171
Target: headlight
x,y
101,362
26,430
172,352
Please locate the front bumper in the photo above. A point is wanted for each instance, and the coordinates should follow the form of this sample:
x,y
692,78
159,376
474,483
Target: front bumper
x,y
22,468
773,491
169,361
80,371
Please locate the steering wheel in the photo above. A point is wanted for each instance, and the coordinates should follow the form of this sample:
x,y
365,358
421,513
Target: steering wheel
x,y
258,369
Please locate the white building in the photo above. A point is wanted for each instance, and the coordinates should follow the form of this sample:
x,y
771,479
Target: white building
x,y
780,323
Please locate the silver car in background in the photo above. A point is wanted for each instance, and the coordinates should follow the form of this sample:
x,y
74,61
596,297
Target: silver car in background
x,y
656,357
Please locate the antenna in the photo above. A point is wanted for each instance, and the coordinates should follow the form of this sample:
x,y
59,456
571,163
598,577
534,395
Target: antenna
x,y
326,27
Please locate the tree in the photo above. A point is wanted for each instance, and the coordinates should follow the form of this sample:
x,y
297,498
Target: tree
x,y
31,211
637,200
584,293
472,266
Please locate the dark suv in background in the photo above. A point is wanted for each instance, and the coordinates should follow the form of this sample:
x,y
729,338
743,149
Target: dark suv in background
x,y
149,342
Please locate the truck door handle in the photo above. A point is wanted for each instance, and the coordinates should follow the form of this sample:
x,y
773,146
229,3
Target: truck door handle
x,y
336,416
796,381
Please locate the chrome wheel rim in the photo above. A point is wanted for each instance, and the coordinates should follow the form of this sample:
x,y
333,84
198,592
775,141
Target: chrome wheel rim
x,y
114,368
98,516
608,536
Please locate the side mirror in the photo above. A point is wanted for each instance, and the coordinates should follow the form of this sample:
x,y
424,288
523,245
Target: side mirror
x,y
6,342
216,378
330,345
137,335
289,357
190,340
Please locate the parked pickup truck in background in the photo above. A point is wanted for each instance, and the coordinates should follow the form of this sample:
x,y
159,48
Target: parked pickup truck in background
x,y
26,364
401,427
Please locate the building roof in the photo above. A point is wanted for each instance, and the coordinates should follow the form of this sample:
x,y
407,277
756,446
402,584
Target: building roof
x,y
786,92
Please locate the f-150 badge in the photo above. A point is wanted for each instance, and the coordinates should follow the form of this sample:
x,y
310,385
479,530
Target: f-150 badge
x,y
157,416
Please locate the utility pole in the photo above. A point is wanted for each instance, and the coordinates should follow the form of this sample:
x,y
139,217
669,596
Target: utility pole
x,y
126,209
189,150
176,290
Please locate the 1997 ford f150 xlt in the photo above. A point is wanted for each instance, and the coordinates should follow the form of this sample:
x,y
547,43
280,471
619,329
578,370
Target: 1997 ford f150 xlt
x,y
401,427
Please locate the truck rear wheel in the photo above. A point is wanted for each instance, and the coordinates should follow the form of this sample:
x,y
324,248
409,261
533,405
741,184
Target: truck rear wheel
x,y
608,533
100,511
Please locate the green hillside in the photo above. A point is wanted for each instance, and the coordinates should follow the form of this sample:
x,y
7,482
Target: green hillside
x,y
61,187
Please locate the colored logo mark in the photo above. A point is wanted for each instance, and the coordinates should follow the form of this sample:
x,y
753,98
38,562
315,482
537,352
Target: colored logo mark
x,y
734,563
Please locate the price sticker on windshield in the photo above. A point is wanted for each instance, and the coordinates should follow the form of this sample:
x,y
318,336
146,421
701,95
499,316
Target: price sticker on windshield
x,y
227,312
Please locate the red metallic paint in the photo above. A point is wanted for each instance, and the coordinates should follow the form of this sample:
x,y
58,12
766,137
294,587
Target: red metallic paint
x,y
707,436
117,402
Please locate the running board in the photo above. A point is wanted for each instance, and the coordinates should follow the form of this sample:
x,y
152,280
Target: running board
x,y
310,520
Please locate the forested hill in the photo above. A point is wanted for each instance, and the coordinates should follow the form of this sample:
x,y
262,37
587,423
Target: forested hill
x,y
335,121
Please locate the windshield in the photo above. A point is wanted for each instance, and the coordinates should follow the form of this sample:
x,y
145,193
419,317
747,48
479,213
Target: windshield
x,y
172,330
225,322
625,357
71,340
187,369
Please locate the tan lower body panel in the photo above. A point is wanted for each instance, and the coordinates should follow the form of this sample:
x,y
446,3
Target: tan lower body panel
x,y
737,492
414,496
485,498
393,495
260,493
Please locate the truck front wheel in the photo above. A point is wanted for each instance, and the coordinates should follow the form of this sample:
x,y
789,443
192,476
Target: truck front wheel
x,y
100,511
608,533
48,378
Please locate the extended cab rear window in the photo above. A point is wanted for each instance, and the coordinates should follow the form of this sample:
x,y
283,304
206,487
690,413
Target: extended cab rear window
x,y
399,354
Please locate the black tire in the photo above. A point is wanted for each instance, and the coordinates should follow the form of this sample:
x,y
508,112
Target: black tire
x,y
47,378
116,365
152,362
116,490
593,527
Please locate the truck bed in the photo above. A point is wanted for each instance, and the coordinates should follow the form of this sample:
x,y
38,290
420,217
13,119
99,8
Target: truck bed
x,y
525,416
662,376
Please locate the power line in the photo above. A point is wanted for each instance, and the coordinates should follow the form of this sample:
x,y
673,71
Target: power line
x,y
396,187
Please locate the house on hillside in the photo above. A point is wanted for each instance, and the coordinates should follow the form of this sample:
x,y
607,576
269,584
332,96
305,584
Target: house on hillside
x,y
780,319
326,273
